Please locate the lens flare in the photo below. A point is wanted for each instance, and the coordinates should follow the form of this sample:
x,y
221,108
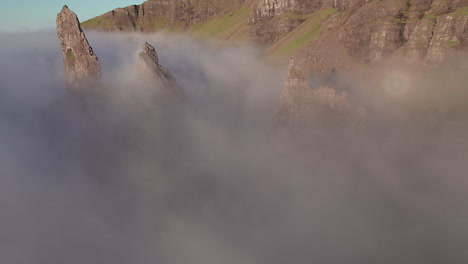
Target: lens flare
x,y
396,84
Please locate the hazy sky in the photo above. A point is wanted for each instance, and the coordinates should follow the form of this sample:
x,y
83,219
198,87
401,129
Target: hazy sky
x,y
28,15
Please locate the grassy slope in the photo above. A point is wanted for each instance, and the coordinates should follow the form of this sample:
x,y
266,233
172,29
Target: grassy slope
x,y
302,35
94,22
232,25
102,22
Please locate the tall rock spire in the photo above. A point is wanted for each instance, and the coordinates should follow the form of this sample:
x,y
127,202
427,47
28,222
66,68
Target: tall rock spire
x,y
153,73
81,64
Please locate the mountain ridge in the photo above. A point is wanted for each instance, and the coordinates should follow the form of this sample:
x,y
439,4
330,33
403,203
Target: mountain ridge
x,y
367,31
320,38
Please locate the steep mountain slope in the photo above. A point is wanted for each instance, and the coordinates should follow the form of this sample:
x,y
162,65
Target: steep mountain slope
x,y
364,31
320,36
155,15
432,33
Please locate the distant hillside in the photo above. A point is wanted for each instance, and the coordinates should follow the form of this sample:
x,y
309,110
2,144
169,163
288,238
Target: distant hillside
x,y
329,33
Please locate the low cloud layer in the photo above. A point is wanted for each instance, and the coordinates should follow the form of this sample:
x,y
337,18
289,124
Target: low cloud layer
x,y
125,180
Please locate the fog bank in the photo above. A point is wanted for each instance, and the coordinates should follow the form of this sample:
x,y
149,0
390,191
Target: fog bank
x,y
126,180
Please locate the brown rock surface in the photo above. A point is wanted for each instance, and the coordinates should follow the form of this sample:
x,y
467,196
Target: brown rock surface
x,y
428,32
267,9
324,35
449,35
154,15
81,64
304,106
369,31
153,74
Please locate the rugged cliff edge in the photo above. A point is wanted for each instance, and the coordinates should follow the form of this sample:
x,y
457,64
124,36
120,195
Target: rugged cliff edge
x,y
335,33
81,64
82,67
424,33
321,37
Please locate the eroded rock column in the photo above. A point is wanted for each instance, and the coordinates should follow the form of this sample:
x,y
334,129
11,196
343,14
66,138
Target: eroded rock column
x,y
82,67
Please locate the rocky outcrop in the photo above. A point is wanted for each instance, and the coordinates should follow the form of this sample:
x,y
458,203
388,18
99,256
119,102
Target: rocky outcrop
x,y
268,9
152,74
419,31
415,31
368,31
84,71
306,104
450,35
271,20
82,67
327,35
154,15
267,32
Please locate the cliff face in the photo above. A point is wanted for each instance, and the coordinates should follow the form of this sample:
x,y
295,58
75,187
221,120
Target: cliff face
x,y
272,20
154,15
424,32
321,36
304,105
81,64
367,31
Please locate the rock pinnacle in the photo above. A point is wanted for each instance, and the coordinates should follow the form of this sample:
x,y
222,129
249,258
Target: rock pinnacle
x,y
81,64
151,71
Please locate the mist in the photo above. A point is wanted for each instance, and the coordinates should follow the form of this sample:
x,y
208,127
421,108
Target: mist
x,y
213,179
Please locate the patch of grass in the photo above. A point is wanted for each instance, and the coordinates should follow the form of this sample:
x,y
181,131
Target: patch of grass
x,y
233,25
296,73
302,35
103,22
313,30
323,14
159,23
298,16
452,43
460,11
364,65
430,16
93,22
70,56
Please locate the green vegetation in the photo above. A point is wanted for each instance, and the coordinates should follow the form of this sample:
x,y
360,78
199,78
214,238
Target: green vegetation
x,y
93,22
100,21
302,35
70,56
230,26
364,65
453,43
430,16
460,11
159,23
323,14
298,16
401,21
295,72
312,31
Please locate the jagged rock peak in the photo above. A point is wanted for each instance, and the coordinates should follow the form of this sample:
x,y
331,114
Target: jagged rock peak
x,y
150,52
152,73
304,105
81,64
